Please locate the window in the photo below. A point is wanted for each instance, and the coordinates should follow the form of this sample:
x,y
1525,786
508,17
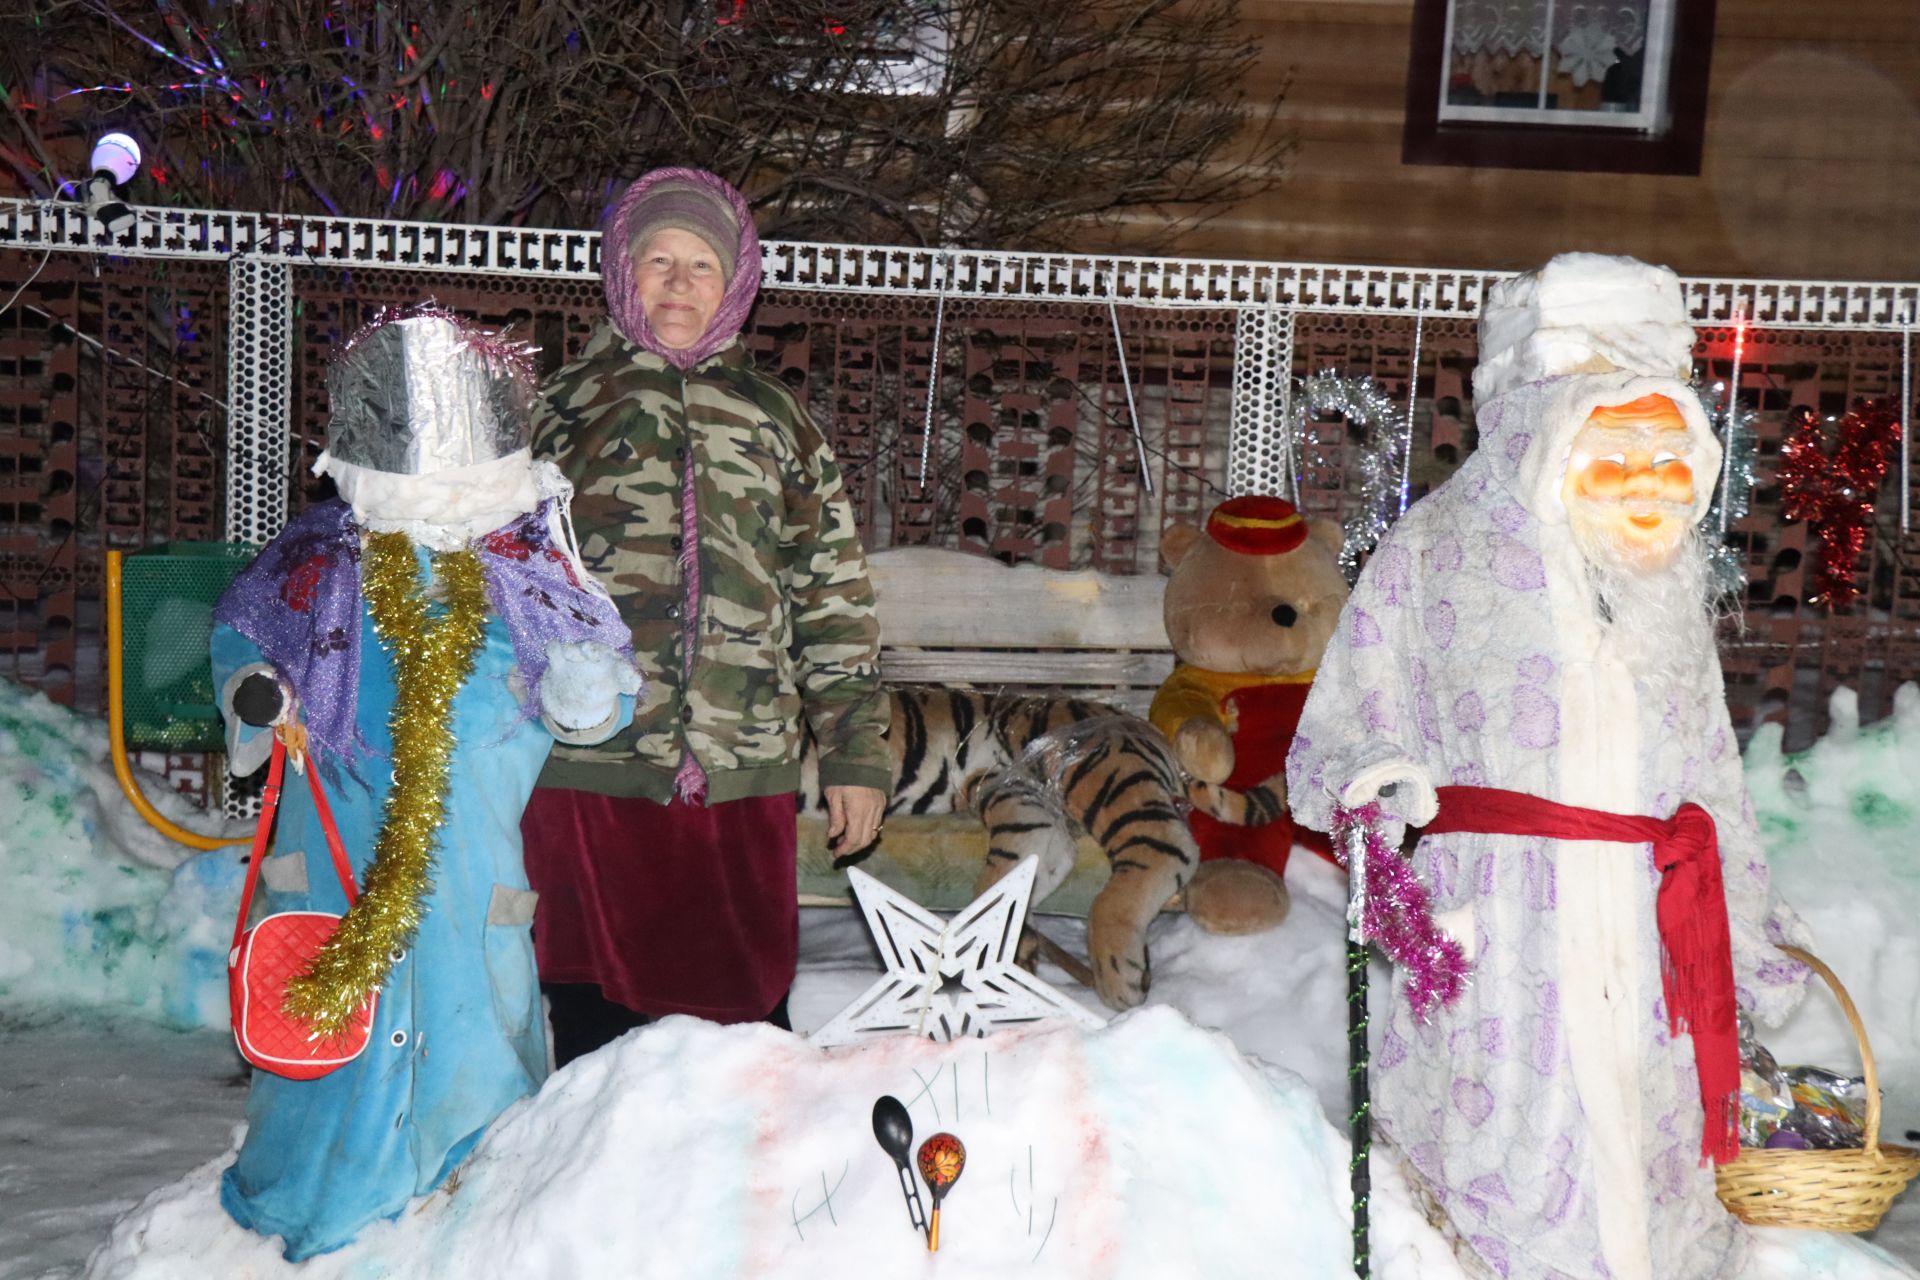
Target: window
x,y
1559,84
1542,62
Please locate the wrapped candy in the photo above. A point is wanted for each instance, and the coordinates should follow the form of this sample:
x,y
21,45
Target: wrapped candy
x,y
1766,1096
1829,1110
1800,1108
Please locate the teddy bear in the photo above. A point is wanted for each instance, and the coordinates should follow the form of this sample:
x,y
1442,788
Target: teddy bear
x,y
1251,601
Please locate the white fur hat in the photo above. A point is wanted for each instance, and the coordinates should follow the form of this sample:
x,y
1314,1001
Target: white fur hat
x,y
1583,313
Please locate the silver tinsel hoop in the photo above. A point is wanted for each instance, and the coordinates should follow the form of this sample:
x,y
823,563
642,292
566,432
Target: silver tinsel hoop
x,y
1384,453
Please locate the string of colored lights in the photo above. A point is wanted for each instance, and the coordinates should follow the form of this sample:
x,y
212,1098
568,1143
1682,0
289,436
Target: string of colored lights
x,y
208,55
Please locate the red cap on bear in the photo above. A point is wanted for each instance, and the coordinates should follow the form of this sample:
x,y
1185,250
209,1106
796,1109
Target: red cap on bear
x,y
1257,526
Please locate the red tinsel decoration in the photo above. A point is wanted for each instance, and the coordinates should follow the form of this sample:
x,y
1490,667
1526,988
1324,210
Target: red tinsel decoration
x,y
1833,487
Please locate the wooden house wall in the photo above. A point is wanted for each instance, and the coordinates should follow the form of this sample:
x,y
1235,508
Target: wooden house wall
x,y
1811,165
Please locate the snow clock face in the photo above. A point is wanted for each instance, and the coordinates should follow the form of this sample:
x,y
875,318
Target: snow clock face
x,y
1630,479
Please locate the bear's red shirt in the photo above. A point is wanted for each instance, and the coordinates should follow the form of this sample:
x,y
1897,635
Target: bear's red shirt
x,y
1268,712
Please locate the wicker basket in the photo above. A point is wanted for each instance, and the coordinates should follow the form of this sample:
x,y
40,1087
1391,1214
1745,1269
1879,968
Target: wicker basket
x,y
1845,1190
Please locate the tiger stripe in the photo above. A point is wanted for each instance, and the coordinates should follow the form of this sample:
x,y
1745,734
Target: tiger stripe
x,y
1038,770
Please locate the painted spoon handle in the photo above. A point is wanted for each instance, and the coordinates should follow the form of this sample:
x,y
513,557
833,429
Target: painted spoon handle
x,y
916,1213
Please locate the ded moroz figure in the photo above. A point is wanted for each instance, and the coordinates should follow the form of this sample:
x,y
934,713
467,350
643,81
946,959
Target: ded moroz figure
x,y
1527,669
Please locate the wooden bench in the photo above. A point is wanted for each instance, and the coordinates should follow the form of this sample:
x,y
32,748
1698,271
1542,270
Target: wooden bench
x,y
950,618
947,617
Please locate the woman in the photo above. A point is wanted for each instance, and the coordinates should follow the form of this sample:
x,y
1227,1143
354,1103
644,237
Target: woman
x,y
712,508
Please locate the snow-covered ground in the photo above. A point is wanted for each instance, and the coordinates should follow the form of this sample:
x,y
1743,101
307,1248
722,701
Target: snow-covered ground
x,y
1152,1148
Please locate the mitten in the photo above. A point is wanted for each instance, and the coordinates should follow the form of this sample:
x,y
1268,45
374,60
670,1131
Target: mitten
x,y
580,691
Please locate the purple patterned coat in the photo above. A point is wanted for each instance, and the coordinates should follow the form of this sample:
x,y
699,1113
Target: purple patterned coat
x,y
1548,1109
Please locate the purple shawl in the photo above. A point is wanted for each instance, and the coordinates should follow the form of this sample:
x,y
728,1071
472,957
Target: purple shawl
x,y
299,601
623,294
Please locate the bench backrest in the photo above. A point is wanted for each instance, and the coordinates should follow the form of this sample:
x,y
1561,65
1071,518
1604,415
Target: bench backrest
x,y
947,617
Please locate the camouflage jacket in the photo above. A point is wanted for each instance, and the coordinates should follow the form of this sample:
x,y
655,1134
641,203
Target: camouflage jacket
x,y
787,624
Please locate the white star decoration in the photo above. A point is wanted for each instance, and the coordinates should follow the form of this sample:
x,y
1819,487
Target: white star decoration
x,y
946,981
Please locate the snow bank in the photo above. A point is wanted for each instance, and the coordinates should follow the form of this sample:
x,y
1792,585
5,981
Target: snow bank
x,y
1148,1149
1145,1151
101,912
1842,826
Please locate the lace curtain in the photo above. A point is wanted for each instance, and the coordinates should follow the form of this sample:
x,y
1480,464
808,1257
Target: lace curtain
x,y
1587,37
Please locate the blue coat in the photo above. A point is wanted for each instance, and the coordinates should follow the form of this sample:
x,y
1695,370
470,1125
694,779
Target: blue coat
x,y
459,1034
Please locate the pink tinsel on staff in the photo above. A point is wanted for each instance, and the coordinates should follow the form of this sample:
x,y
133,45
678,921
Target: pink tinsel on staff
x,y
1391,907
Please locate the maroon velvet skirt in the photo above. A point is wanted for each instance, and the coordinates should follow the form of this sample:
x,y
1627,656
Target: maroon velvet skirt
x,y
668,908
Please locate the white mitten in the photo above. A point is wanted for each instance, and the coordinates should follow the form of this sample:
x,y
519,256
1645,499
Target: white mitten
x,y
1401,786
580,692
1405,793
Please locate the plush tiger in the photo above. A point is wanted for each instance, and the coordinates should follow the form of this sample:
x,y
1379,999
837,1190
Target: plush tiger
x,y
1038,770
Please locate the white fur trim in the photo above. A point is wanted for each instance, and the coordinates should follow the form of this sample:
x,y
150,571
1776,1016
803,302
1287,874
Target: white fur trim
x,y
445,510
589,737
1601,1000
580,691
1413,799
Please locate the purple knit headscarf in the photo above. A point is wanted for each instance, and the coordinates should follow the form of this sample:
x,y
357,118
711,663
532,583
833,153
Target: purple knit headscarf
x,y
623,294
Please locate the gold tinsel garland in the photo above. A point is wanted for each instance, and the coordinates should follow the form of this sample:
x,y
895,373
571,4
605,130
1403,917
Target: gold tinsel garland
x,y
431,660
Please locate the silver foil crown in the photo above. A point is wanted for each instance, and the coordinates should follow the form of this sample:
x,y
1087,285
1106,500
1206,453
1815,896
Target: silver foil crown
x,y
423,392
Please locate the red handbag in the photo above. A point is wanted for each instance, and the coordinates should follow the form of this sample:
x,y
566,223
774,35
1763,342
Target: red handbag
x,y
275,951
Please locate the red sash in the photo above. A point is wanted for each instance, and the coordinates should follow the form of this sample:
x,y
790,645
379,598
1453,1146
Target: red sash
x,y
1696,950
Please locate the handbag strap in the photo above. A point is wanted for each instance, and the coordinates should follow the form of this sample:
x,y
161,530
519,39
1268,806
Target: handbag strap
x,y
269,806
341,866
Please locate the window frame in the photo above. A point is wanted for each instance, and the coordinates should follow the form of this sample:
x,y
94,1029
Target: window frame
x,y
1602,145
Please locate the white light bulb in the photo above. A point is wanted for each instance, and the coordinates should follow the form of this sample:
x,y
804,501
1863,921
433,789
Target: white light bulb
x,y
117,154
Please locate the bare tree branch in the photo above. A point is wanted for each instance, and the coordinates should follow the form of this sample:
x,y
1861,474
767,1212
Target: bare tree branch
x,y
1020,123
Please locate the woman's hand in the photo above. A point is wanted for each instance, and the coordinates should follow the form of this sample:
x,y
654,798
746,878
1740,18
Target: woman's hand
x,y
853,816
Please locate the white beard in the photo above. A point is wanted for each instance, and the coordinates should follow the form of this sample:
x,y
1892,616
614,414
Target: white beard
x,y
1660,615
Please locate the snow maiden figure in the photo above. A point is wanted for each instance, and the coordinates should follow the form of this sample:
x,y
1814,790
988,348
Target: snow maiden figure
x,y
433,632
1538,630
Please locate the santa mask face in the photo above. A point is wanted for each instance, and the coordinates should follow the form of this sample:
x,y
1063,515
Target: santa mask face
x,y
1629,484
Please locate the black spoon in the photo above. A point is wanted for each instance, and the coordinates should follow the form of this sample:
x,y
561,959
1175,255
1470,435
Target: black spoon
x,y
893,1129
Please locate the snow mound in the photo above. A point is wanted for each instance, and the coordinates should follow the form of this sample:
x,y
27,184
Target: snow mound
x,y
687,1150
1145,1151
1840,821
101,912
